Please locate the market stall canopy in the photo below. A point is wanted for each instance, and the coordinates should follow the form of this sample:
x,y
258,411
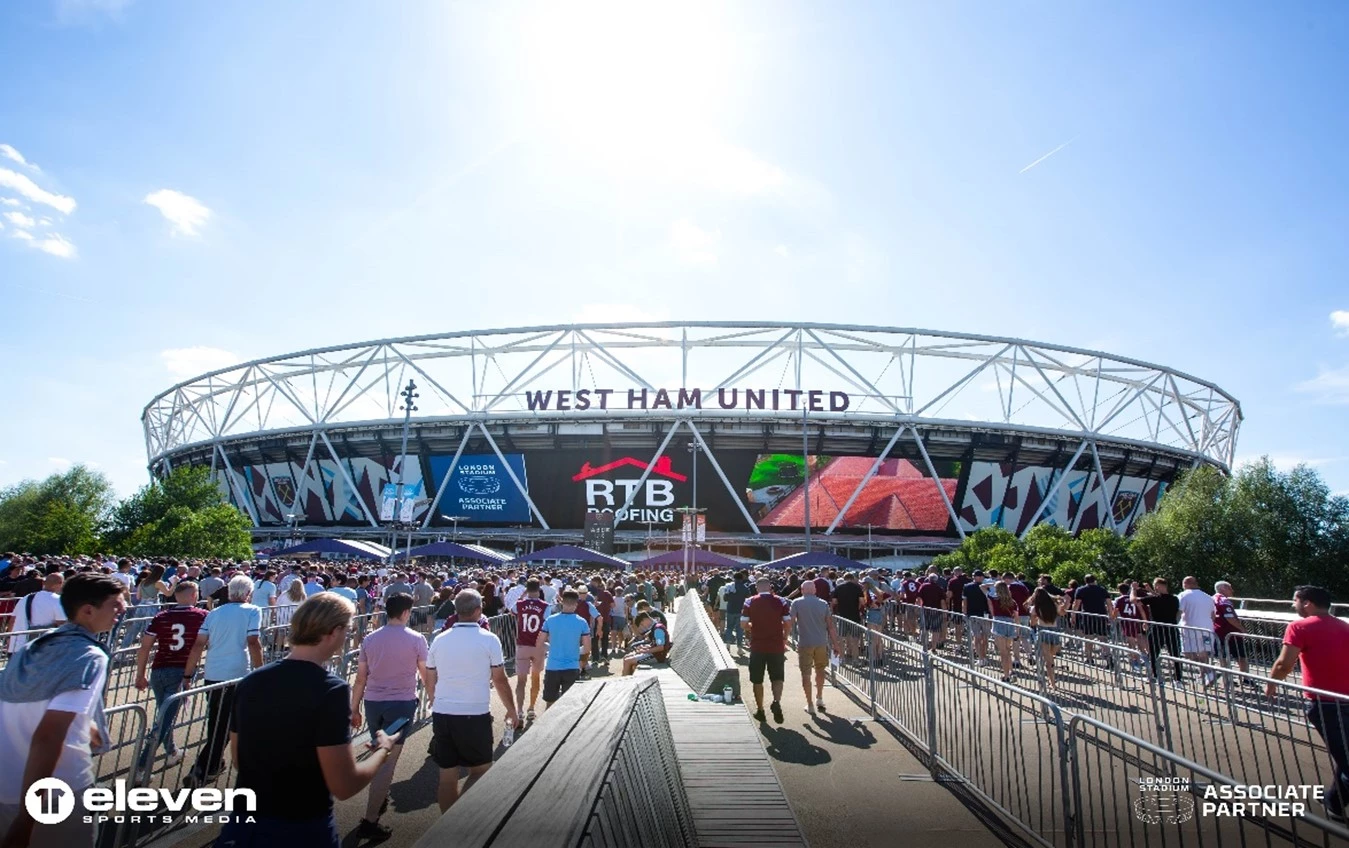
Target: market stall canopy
x,y
454,549
816,559
699,557
575,553
349,547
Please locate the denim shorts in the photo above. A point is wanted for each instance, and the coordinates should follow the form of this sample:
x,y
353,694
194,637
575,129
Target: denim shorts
x,y
1048,635
381,714
875,616
1004,627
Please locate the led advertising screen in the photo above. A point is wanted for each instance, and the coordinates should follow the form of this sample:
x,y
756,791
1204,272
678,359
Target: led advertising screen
x,y
481,490
900,496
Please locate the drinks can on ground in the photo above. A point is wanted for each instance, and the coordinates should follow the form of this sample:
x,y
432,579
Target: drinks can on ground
x,y
728,694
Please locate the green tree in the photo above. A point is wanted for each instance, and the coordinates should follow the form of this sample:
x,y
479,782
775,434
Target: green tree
x,y
63,514
184,514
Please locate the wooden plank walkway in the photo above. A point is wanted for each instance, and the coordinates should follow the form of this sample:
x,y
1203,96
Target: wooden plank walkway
x,y
733,789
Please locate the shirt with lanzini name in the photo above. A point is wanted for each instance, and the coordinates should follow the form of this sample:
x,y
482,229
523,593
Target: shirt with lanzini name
x,y
228,627
463,658
565,630
175,630
1323,650
529,617
283,713
391,655
18,725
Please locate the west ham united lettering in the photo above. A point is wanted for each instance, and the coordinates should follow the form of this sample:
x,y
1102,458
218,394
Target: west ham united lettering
x,y
580,400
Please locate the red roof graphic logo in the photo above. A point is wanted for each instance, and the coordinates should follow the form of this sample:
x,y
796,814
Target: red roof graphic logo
x,y
662,467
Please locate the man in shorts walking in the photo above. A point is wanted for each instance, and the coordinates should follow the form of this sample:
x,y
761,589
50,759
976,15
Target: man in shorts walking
x,y
768,620
530,612
465,663
566,636
391,660
815,635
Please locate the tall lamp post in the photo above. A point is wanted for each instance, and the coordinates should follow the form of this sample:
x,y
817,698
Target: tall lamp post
x,y
694,448
292,519
805,465
409,396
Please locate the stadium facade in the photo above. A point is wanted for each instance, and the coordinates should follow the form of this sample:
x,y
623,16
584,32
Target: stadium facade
x,y
915,435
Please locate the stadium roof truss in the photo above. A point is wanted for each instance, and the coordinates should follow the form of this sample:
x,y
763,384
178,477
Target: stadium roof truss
x,y
907,378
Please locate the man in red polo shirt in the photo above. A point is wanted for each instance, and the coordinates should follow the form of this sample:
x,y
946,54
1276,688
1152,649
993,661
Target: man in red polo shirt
x,y
768,620
933,599
1320,643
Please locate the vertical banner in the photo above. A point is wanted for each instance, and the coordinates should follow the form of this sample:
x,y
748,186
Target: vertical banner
x,y
599,532
388,502
686,530
702,528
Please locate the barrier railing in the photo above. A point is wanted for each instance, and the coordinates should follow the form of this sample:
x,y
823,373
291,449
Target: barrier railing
x,y
1013,747
1128,792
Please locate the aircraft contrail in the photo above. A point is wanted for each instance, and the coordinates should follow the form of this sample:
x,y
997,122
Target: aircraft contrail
x,y
1047,155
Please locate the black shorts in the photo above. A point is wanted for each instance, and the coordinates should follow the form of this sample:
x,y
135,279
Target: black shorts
x,y
1234,647
774,663
1094,625
460,740
556,683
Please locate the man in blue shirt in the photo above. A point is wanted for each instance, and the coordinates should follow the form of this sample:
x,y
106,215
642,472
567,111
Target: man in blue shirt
x,y
232,632
566,636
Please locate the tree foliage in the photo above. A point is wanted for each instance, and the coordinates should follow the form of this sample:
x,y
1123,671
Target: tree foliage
x,y
63,514
1263,530
184,514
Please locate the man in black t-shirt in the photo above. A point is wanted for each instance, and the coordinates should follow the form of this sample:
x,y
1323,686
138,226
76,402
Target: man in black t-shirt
x,y
974,603
714,584
1094,600
1163,609
291,734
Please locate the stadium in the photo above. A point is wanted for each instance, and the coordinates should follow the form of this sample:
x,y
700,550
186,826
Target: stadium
x,y
901,440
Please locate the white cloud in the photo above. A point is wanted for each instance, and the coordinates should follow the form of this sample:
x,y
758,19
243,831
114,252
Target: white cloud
x,y
15,156
186,214
1339,319
191,361
22,234
59,461
693,244
32,191
19,219
781,250
10,201
55,244
1330,386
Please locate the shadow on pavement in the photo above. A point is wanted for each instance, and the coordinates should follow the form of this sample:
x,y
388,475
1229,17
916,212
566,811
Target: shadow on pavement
x,y
841,731
790,746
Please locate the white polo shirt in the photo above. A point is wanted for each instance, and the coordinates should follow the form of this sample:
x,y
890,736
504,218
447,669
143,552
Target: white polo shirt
x,y
463,658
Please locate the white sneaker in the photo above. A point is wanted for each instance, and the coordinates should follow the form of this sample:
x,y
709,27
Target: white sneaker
x,y
819,705
173,759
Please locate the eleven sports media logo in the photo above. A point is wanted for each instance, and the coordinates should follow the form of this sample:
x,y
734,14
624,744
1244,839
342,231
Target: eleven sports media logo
x,y
51,801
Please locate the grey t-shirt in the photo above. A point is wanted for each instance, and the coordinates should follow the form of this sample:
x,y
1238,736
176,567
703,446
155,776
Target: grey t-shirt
x,y
812,621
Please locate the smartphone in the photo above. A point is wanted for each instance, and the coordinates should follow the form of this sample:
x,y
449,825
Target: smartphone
x,y
393,729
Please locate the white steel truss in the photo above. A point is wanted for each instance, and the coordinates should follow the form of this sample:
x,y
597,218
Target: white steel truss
x,y
892,375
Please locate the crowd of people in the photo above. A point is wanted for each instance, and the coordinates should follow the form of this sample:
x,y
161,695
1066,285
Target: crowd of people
x,y
260,640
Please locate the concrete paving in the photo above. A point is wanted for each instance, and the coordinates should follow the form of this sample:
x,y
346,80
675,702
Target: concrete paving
x,y
851,782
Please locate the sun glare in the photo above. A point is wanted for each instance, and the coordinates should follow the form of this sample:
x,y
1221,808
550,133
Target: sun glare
x,y
634,85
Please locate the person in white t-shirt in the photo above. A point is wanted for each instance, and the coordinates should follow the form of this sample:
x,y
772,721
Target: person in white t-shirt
x,y
51,713
40,610
124,576
464,664
1196,618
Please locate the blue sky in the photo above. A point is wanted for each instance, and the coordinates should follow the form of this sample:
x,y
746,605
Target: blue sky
x,y
191,184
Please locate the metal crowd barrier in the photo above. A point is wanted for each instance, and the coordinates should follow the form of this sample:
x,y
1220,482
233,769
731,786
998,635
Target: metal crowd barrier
x,y
1017,744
